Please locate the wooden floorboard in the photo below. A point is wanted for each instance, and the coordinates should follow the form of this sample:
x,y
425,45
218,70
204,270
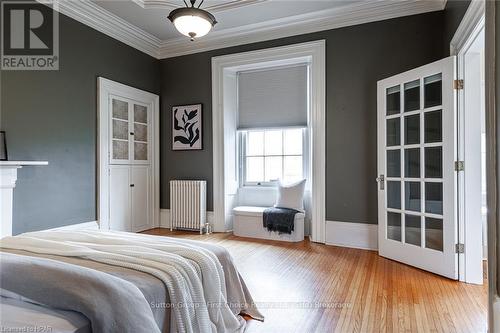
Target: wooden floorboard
x,y
308,287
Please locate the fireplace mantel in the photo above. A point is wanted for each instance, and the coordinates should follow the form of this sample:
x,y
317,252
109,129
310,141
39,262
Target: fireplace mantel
x,y
8,178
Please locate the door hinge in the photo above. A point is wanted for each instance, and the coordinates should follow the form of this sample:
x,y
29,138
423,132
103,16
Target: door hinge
x,y
459,165
459,248
458,84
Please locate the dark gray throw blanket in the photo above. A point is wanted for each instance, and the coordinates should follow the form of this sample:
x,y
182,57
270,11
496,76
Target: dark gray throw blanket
x,y
279,219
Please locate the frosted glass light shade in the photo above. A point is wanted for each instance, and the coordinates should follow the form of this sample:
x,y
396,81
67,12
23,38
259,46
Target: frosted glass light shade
x,y
192,22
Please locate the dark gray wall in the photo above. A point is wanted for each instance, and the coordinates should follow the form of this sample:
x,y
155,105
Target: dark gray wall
x,y
453,14
357,57
51,115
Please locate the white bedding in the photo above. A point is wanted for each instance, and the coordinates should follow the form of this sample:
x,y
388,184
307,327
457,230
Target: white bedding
x,y
192,274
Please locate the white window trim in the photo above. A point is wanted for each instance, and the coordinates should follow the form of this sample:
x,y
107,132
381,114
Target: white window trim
x,y
223,67
242,137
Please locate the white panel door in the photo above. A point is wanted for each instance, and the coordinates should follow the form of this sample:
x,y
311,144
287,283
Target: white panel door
x,y
416,165
119,198
140,197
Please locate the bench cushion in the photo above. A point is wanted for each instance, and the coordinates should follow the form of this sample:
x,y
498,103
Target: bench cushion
x,y
256,211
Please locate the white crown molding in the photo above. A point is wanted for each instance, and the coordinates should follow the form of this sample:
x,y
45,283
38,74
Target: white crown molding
x,y
216,8
96,17
110,24
299,24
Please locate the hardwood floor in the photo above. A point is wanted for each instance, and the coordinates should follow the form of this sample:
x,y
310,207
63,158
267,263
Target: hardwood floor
x,y
307,287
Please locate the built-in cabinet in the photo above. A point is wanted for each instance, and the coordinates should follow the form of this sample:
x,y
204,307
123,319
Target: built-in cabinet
x,y
128,194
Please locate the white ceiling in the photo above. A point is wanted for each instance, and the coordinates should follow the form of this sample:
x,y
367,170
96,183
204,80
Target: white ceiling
x,y
143,24
237,13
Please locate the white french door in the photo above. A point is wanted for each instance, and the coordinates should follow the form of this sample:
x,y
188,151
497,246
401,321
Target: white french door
x,y
417,183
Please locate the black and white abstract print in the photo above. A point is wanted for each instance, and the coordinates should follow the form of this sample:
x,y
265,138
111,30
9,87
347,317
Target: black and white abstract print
x,y
187,127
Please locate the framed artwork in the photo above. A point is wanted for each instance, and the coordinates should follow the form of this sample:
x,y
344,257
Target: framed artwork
x,y
3,147
187,127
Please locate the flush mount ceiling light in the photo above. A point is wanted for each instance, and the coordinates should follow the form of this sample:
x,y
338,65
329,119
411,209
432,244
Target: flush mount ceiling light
x,y
192,21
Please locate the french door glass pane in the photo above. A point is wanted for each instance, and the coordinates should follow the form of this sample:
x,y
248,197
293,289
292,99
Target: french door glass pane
x,y
120,109
394,163
434,198
140,114
255,169
293,142
255,143
412,95
433,162
432,91
412,163
394,194
412,196
120,129
413,230
273,142
393,100
120,150
140,151
393,132
273,168
433,131
292,168
412,129
394,226
434,233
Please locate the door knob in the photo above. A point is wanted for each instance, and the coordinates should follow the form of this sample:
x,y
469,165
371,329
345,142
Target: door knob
x,y
381,180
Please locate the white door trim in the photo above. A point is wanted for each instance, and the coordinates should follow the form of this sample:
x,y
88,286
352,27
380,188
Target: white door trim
x,y
105,88
312,52
470,267
474,16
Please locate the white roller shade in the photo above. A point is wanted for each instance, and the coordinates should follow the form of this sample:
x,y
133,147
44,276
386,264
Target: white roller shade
x,y
273,97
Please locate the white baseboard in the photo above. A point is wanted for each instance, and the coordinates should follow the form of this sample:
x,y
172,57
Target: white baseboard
x,y
165,218
93,225
355,235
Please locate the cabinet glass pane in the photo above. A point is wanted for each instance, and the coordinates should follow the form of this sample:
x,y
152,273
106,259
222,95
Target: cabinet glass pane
x,y
120,150
394,163
140,132
140,151
412,129
434,234
120,129
255,169
140,114
394,194
434,198
433,131
433,162
394,226
412,196
412,95
393,132
273,168
120,109
412,163
413,231
432,91
393,100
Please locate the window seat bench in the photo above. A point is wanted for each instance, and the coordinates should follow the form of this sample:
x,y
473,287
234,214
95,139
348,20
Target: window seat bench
x,y
248,223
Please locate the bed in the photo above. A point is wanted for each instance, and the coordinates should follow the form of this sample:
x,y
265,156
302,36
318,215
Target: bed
x,y
100,281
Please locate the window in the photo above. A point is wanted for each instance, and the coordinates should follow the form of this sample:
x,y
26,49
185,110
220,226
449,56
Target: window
x,y
270,155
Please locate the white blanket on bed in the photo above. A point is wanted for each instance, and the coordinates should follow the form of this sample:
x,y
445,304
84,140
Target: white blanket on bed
x,y
193,276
